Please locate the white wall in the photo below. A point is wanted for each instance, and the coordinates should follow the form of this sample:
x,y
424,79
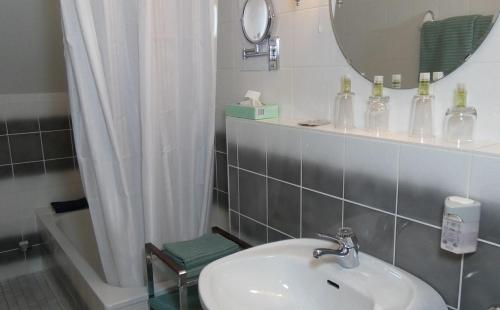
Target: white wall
x,y
312,64
31,52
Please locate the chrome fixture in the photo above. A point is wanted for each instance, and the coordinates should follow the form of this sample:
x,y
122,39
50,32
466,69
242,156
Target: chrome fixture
x,y
347,250
429,16
271,49
257,24
297,2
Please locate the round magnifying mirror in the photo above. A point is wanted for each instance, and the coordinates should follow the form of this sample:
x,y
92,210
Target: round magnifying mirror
x,y
256,20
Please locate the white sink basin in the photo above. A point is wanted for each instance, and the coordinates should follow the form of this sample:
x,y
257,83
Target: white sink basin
x,y
284,275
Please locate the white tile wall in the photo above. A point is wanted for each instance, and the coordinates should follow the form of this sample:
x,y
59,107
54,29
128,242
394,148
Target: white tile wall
x,y
312,63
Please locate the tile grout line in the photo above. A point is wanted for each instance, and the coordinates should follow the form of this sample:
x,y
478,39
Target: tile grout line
x,y
228,183
227,193
396,206
267,189
215,172
73,143
320,193
38,161
220,190
344,160
301,183
238,172
281,232
10,152
267,226
41,144
460,281
265,176
462,258
469,176
35,132
489,243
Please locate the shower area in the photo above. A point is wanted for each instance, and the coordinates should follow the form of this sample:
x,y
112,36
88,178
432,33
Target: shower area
x,y
112,101
37,155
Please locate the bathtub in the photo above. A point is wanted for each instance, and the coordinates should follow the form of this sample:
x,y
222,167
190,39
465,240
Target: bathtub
x,y
73,257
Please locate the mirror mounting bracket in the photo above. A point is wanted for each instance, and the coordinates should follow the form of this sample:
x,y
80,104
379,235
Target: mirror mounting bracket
x,y
270,48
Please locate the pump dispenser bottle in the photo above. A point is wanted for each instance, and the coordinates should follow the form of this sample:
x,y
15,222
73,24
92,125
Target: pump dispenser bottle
x,y
377,116
460,120
421,124
343,114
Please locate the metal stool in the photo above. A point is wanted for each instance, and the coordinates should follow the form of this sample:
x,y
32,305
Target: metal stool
x,y
180,299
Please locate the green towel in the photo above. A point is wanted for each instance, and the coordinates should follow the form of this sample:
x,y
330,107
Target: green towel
x,y
445,44
482,27
201,251
170,301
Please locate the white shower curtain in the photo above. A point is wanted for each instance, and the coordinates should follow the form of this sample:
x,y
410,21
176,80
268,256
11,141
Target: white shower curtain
x,y
142,92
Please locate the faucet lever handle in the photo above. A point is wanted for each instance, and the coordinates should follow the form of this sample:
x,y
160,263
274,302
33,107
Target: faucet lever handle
x,y
333,239
348,236
345,232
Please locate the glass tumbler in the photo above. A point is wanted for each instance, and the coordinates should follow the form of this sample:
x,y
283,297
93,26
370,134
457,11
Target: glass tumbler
x,y
421,123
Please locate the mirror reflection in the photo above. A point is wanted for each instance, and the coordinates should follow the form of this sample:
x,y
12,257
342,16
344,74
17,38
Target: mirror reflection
x,y
256,20
398,39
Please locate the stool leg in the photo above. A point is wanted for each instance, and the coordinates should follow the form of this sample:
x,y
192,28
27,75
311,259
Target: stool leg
x,y
183,298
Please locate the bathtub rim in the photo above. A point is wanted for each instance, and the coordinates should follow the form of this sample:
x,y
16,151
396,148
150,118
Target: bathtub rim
x,y
112,297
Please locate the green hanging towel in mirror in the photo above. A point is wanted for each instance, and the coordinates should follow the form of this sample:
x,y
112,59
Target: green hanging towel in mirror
x,y
446,44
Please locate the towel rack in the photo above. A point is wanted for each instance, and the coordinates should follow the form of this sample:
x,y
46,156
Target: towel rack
x,y
428,17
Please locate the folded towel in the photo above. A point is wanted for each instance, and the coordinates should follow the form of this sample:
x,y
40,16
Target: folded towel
x,y
71,205
200,251
446,44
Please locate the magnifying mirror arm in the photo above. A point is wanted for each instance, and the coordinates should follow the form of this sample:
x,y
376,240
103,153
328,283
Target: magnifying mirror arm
x,y
272,51
254,52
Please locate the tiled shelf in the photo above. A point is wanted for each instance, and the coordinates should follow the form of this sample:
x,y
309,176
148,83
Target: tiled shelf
x,y
482,147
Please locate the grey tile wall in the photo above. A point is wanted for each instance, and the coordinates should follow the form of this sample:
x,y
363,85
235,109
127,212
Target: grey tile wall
x,y
320,213
370,177
484,186
426,177
284,207
283,154
418,251
323,163
391,194
374,229
481,281
36,146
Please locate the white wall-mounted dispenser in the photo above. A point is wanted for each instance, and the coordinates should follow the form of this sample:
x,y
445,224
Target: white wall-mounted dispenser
x,y
460,225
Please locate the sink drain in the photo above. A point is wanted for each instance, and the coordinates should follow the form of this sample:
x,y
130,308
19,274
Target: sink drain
x,y
333,284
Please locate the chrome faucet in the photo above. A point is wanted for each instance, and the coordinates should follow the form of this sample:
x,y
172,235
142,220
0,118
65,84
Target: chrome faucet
x,y
348,247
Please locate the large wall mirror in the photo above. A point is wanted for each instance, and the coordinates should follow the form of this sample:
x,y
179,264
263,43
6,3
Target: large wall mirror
x,y
406,37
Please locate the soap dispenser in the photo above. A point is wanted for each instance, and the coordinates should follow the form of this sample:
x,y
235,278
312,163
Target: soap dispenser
x,y
460,120
377,116
421,125
343,114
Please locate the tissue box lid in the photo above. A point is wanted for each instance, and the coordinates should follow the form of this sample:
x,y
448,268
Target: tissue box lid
x,y
249,112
